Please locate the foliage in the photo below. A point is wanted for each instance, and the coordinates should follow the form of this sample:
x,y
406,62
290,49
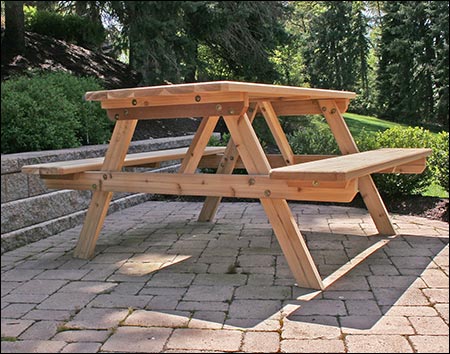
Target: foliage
x,y
46,111
71,28
313,140
400,137
413,62
440,159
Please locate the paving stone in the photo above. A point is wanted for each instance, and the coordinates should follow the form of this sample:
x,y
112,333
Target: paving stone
x,y
263,292
312,346
120,301
32,346
377,344
41,330
322,307
158,319
88,287
20,274
436,295
137,340
261,342
81,347
429,325
63,274
207,319
220,279
430,344
376,325
82,336
39,287
202,305
203,339
362,307
443,311
209,293
25,298
260,309
16,310
311,327
13,328
171,280
90,318
64,301
253,324
409,311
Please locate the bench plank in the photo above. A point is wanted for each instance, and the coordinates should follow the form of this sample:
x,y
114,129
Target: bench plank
x,y
92,164
347,167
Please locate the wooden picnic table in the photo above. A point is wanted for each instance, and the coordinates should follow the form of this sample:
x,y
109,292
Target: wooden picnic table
x,y
272,178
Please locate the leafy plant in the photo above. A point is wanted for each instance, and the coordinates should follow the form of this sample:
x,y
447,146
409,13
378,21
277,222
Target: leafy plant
x,y
46,111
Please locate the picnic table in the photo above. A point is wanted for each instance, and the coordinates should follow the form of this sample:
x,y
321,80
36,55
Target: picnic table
x,y
271,178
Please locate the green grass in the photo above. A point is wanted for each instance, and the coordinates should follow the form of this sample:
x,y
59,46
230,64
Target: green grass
x,y
356,123
435,191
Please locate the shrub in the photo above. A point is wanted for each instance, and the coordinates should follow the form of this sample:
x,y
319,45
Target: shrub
x,y
439,160
70,28
46,111
313,140
400,137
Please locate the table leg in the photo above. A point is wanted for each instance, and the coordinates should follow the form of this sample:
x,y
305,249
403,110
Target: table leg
x,y
367,187
201,138
284,225
117,150
226,166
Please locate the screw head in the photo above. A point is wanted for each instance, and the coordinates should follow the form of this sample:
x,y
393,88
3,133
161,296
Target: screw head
x,y
116,116
198,98
315,183
333,111
218,107
105,176
324,109
267,193
251,182
134,102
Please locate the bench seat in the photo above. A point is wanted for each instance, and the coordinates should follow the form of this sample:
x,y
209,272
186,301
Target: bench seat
x,y
92,164
347,167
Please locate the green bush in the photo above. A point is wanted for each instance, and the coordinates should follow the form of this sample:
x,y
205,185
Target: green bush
x,y
313,140
400,137
70,28
46,111
439,160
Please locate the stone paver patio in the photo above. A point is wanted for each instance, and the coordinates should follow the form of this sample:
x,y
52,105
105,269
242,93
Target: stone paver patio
x,y
163,282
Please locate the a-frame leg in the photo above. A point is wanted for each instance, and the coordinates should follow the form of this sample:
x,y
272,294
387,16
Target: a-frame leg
x,y
284,225
115,156
367,188
197,147
226,166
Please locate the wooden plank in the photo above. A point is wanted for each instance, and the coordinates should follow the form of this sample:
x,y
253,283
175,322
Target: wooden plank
x,y
239,186
184,99
92,164
367,187
276,160
225,166
198,144
301,107
346,167
277,210
254,89
277,132
178,111
115,155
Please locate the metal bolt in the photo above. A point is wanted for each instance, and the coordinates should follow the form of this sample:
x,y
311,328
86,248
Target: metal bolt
x,y
94,186
134,102
105,176
116,116
333,110
125,111
198,98
267,193
218,107
231,111
315,183
324,109
251,182
231,158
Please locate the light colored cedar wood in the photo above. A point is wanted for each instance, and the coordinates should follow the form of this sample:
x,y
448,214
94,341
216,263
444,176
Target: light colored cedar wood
x,y
115,155
225,166
277,160
367,188
277,132
347,167
198,144
277,210
185,99
300,107
253,89
239,186
178,111
138,159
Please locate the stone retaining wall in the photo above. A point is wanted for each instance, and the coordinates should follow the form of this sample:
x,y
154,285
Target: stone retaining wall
x,y
29,211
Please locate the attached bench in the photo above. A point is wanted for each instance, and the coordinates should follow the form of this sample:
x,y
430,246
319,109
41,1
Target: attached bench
x,y
92,164
348,167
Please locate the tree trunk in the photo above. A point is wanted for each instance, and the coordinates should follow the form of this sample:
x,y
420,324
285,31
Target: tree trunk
x,y
13,42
